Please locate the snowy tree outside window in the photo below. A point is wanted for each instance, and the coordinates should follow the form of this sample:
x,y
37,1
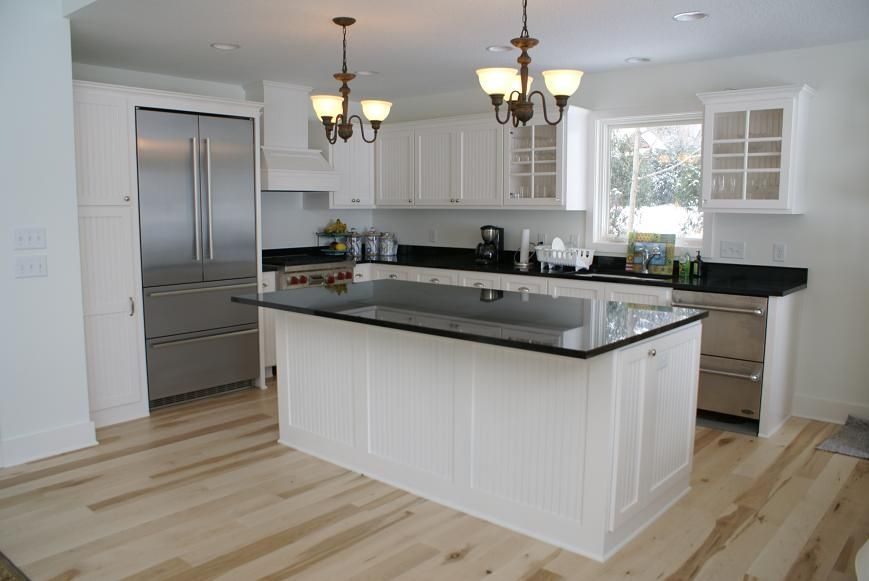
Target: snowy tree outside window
x,y
653,180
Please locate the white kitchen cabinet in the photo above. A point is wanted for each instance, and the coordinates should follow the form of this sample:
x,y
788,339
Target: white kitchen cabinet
x,y
436,276
651,417
524,284
753,142
545,165
578,289
267,324
638,293
394,168
479,279
437,165
385,271
363,272
354,160
481,154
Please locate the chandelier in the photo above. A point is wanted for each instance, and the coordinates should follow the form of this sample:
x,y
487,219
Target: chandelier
x,y
501,82
333,109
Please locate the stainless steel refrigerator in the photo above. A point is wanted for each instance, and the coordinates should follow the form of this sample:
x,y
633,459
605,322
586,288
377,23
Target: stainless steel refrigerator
x,y
198,232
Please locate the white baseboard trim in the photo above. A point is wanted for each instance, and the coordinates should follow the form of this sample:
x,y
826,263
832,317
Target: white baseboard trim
x,y
116,415
827,410
41,445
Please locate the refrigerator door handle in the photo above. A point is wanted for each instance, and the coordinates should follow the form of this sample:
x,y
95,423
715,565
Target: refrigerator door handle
x,y
208,195
197,220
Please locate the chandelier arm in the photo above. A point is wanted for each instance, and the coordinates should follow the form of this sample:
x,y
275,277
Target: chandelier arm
x,y
362,128
498,116
543,104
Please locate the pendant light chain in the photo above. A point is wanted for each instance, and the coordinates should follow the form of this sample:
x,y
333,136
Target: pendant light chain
x,y
524,19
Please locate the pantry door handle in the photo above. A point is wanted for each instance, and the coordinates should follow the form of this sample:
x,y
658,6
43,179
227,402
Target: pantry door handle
x,y
756,311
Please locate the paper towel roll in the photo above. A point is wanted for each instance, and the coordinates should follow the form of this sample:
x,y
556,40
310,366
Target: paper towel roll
x,y
523,246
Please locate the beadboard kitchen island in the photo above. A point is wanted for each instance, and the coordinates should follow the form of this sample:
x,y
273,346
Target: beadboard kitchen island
x,y
567,419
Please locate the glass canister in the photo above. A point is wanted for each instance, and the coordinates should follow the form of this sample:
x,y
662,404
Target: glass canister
x,y
388,244
372,243
354,244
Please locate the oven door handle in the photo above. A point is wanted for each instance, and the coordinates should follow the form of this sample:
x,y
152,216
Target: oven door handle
x,y
752,377
756,311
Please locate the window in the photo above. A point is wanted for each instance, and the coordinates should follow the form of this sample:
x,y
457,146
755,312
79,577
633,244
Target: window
x,y
648,179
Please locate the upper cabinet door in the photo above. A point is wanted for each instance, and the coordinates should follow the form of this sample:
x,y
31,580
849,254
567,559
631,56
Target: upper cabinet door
x,y
354,160
395,168
228,197
102,148
437,166
481,169
170,217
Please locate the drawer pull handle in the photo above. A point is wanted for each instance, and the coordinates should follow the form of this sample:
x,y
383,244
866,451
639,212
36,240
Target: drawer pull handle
x,y
190,291
357,275
752,377
201,339
523,289
756,311
393,276
434,280
479,285
132,307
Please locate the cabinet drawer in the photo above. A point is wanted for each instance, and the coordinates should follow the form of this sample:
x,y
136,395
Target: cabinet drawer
x,y
436,276
736,326
197,307
524,284
730,386
480,280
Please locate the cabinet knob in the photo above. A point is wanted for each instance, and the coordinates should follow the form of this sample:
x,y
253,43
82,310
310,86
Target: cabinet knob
x,y
410,201
126,198
265,284
653,352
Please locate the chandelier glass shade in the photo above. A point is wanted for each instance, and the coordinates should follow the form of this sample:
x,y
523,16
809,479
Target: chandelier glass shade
x,y
333,110
514,86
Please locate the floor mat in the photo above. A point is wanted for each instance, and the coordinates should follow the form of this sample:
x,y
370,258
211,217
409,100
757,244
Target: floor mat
x,y
852,439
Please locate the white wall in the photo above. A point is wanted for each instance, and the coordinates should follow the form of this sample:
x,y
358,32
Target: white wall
x,y
43,394
130,78
290,218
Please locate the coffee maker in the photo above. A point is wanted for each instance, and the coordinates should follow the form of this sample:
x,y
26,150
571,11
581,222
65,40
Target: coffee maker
x,y
490,249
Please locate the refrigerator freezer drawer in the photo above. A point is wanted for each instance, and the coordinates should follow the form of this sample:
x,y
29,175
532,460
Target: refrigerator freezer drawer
x,y
730,386
197,307
201,360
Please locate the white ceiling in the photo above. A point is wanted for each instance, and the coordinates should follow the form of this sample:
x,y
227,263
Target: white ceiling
x,y
432,47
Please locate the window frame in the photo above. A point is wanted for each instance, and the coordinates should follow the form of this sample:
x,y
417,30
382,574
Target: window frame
x,y
596,217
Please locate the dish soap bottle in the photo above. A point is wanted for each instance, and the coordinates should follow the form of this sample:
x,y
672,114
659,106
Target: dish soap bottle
x,y
697,266
685,267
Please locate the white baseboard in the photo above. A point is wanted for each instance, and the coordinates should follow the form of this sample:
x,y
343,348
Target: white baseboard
x,y
40,445
827,410
116,415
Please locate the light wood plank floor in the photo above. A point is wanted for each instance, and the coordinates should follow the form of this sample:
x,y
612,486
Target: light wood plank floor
x,y
202,491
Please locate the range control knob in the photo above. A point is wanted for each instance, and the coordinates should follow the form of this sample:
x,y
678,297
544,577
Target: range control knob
x,y
348,275
340,276
330,279
294,280
303,279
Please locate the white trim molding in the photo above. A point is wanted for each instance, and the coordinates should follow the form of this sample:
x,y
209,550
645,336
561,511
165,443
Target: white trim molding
x,y
38,445
827,410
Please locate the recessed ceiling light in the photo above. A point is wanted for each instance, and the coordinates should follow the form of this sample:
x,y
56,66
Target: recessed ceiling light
x,y
225,46
366,73
690,16
637,59
499,48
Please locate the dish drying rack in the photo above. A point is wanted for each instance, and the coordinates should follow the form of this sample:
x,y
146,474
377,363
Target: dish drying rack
x,y
576,258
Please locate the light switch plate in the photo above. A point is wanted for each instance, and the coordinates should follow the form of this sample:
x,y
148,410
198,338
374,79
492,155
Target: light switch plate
x,y
779,251
29,239
31,265
731,249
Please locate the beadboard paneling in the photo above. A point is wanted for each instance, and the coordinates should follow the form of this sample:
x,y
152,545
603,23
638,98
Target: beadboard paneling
x,y
630,392
101,148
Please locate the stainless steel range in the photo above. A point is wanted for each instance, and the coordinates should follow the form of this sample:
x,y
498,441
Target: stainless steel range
x,y
297,276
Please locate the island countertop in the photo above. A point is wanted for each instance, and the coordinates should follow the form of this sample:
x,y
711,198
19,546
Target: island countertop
x,y
565,326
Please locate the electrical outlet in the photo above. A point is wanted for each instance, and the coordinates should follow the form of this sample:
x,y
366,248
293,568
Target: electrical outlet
x,y
433,235
29,239
731,249
31,265
779,251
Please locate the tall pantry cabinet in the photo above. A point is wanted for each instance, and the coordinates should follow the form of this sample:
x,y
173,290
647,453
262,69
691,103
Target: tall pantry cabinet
x,y
106,180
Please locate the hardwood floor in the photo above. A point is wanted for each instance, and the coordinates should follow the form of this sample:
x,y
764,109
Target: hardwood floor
x,y
202,491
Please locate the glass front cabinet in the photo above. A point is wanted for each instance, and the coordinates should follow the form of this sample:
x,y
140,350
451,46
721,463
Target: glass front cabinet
x,y
752,149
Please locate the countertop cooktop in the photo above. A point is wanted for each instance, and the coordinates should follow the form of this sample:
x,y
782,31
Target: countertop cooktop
x,y
738,279
579,328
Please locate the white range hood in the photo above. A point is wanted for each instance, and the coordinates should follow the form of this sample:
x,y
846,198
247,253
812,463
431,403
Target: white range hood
x,y
288,164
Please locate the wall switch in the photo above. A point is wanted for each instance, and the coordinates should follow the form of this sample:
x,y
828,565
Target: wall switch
x,y
433,235
30,265
731,249
779,251
29,239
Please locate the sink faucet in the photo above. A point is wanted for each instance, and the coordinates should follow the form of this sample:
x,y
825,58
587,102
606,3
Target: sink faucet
x,y
648,256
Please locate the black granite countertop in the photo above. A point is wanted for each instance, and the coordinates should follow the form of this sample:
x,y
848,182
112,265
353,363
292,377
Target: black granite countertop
x,y
570,327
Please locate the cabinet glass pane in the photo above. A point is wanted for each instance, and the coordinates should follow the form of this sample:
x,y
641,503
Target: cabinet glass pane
x,y
520,187
728,162
521,138
544,186
544,136
727,186
765,123
729,125
728,148
772,161
762,186
521,162
764,147
544,161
